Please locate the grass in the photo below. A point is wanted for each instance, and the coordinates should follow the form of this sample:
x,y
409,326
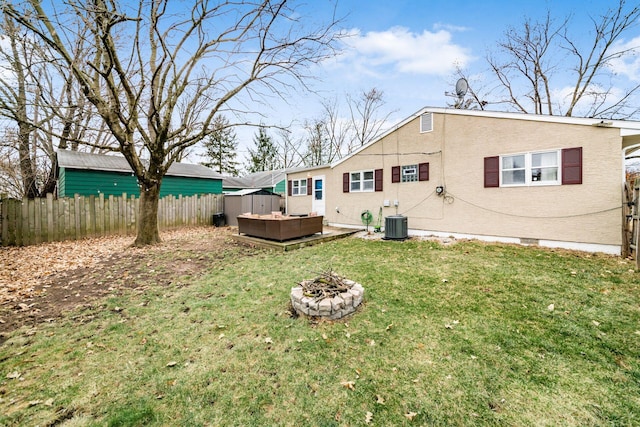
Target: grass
x,y
448,335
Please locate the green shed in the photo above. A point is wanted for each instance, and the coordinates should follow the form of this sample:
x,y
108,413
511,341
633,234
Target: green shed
x,y
93,174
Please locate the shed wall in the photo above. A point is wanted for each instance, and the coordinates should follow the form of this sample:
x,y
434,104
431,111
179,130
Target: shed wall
x,y
90,182
254,203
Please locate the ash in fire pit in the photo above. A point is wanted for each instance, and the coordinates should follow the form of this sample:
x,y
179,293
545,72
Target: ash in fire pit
x,y
328,295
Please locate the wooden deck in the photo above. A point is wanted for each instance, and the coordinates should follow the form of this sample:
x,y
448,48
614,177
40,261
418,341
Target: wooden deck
x,y
328,234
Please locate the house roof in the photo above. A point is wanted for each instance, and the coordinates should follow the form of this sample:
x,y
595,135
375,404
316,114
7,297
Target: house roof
x,y
628,129
116,163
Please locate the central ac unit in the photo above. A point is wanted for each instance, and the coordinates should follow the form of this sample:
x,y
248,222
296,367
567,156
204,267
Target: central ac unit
x,y
395,227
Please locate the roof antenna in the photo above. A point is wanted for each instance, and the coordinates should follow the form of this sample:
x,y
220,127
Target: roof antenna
x,y
461,90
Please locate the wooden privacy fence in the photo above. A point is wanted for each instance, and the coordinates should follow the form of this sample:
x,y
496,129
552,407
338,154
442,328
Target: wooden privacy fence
x,y
632,222
28,222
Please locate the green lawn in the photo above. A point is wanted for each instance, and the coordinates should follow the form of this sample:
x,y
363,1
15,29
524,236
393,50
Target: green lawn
x,y
464,334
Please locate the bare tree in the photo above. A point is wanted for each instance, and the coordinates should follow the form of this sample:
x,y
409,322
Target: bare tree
x,y
173,69
289,149
317,146
336,129
365,124
42,111
14,101
536,56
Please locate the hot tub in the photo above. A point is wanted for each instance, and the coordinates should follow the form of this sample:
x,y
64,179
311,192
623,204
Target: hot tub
x,y
279,228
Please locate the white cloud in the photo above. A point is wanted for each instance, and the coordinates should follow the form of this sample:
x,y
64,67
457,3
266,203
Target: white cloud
x,y
629,64
403,51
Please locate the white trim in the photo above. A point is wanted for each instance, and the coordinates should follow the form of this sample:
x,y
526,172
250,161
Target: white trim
x,y
627,125
528,168
362,181
575,246
299,187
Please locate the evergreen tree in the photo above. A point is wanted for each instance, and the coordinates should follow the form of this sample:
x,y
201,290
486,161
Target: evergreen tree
x,y
265,155
221,146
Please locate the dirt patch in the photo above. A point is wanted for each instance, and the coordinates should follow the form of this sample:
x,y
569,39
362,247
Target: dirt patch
x,y
39,283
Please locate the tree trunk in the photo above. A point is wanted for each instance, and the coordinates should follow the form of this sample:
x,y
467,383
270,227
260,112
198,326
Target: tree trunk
x,y
27,169
148,233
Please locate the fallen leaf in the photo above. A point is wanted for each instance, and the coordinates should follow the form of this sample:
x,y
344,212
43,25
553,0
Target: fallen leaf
x,y
48,402
410,415
371,343
368,418
348,384
325,337
268,340
172,364
379,399
551,307
388,328
220,336
35,402
13,375
595,322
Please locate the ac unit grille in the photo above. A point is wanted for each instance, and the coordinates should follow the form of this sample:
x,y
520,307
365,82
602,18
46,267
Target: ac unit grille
x,y
395,227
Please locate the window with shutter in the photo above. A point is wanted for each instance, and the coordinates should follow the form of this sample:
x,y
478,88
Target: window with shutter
x,y
572,166
534,168
423,172
395,174
300,187
492,171
378,180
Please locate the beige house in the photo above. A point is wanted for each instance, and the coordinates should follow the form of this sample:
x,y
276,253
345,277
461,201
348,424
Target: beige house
x,y
509,177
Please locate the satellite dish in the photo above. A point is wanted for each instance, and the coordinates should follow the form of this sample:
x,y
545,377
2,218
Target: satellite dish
x,y
461,87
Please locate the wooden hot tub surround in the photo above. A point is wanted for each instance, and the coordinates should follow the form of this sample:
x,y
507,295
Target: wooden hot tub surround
x,y
277,227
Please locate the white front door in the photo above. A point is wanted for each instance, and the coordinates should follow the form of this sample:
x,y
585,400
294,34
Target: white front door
x,y
317,204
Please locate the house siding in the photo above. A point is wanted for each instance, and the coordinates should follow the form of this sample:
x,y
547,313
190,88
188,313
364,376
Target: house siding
x,y
455,150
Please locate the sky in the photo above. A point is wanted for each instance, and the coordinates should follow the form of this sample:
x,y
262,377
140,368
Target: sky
x,y
409,49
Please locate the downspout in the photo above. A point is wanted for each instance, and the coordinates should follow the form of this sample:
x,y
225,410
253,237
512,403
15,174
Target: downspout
x,y
286,193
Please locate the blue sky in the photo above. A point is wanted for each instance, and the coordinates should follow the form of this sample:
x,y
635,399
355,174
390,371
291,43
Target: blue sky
x,y
409,49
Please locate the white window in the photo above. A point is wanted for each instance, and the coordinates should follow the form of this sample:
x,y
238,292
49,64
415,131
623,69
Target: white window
x,y
426,122
539,168
409,173
361,181
299,187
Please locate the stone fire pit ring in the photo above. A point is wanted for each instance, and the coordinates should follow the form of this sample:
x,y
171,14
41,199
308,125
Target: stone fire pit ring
x,y
333,308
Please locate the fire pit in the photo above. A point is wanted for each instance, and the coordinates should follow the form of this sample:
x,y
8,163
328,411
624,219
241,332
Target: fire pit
x,y
327,296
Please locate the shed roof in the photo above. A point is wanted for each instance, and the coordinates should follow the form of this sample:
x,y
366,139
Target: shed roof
x,y
116,163
247,191
256,180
